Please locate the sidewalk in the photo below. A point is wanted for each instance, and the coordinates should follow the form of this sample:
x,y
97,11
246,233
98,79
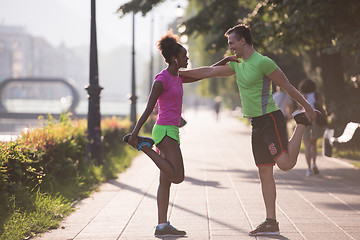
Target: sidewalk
x,y
221,196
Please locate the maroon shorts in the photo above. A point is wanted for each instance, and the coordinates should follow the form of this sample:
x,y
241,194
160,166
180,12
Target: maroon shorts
x,y
269,137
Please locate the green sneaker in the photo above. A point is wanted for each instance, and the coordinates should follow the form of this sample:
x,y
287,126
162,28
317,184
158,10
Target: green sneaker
x,y
168,231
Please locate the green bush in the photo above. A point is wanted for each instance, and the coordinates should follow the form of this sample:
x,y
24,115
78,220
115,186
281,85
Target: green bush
x,y
44,171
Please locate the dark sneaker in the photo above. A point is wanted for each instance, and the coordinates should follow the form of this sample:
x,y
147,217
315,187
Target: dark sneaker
x,y
269,227
300,117
168,231
315,170
142,141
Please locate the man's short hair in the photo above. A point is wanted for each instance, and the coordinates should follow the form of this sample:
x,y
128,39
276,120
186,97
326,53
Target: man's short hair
x,y
241,31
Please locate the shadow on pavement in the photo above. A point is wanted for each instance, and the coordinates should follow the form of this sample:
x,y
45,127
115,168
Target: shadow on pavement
x,y
339,180
139,191
198,182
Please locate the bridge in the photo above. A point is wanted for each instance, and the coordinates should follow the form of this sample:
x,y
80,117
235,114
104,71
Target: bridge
x,y
27,98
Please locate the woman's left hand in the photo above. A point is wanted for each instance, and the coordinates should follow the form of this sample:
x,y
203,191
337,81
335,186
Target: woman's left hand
x,y
133,140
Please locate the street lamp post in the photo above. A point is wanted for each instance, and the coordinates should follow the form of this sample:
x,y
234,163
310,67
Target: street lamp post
x,y
133,83
93,146
151,70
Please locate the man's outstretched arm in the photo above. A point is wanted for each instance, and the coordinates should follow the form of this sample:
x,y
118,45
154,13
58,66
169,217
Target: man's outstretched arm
x,y
208,72
226,60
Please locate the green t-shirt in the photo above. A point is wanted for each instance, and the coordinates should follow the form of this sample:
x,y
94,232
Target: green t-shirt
x,y
254,86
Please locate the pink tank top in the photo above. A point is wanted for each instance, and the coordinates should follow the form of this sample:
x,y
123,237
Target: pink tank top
x,y
170,100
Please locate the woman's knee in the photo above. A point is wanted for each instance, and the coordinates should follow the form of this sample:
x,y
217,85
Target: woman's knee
x,y
179,176
175,180
179,179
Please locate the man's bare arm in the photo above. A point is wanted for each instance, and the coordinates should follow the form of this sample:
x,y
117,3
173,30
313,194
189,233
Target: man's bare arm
x,y
208,72
226,60
279,78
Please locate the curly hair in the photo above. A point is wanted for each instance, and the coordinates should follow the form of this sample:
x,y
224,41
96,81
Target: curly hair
x,y
169,46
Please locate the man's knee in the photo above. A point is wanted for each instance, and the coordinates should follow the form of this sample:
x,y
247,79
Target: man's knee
x,y
285,167
283,162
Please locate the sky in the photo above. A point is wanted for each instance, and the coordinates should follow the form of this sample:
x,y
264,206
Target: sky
x,y
68,22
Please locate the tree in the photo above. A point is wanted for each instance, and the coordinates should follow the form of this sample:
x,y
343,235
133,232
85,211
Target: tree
x,y
210,17
207,41
138,6
330,28
207,47
324,35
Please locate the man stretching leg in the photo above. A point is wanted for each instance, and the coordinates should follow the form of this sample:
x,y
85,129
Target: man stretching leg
x,y
254,75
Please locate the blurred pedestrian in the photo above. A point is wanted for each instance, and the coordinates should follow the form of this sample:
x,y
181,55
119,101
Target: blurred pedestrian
x,y
314,131
284,102
217,106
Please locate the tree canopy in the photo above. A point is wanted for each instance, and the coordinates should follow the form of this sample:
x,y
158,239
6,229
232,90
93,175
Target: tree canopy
x,y
319,39
328,32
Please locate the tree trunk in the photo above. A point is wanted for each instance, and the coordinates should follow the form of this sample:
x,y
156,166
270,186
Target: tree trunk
x,y
332,75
